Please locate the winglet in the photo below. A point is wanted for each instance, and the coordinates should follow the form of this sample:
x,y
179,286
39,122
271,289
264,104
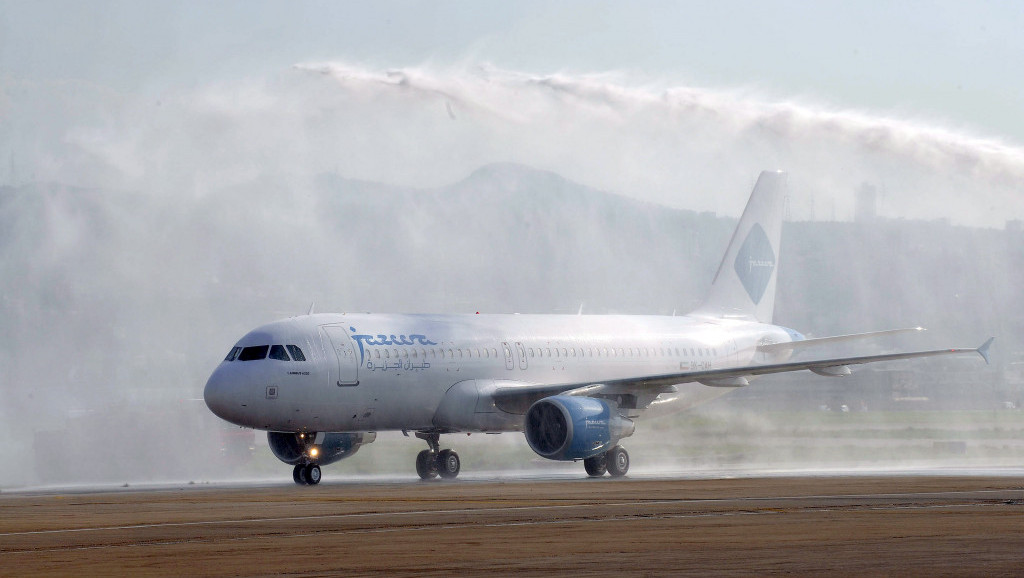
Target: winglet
x,y
983,350
312,305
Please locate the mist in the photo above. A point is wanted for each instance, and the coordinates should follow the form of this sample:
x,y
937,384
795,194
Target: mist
x,y
143,234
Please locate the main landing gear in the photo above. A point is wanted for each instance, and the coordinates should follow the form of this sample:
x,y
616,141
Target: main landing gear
x,y
306,474
435,461
615,462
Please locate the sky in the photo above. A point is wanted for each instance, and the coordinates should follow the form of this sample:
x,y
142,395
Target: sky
x,y
671,102
958,62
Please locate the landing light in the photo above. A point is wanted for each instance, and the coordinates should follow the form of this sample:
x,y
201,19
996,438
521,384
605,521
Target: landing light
x,y
314,452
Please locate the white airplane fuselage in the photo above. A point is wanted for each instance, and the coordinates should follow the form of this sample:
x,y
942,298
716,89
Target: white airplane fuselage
x,y
376,372
322,385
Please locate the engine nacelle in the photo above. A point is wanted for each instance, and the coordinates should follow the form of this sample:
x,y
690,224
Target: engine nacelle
x,y
566,427
320,448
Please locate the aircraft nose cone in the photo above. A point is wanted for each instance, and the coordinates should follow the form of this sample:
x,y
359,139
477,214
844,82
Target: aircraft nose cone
x,y
219,396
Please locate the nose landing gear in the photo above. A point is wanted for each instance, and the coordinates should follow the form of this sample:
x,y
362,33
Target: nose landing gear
x,y
435,461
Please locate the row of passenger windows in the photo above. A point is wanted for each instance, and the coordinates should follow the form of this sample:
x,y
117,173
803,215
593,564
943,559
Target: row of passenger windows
x,y
563,352
279,352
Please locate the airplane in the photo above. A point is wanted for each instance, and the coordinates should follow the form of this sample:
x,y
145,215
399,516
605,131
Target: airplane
x,y
323,385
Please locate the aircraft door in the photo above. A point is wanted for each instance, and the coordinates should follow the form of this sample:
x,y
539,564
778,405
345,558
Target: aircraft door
x,y
522,355
335,338
509,362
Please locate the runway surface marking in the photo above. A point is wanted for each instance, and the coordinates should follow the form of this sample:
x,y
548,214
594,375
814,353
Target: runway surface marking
x,y
637,502
592,517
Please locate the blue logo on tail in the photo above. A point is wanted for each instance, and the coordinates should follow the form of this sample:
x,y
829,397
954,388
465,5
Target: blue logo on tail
x,y
755,263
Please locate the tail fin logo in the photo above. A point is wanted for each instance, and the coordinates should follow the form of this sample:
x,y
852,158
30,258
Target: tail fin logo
x,y
755,263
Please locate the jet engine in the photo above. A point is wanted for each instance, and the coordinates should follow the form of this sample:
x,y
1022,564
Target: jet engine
x,y
566,427
320,448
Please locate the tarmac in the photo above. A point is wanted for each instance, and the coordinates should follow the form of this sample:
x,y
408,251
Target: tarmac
x,y
877,525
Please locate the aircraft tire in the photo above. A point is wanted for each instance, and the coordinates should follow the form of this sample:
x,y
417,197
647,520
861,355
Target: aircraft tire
x,y
297,475
312,474
596,466
448,464
618,461
426,464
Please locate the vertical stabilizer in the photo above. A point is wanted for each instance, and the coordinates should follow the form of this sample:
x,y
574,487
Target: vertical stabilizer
x,y
744,286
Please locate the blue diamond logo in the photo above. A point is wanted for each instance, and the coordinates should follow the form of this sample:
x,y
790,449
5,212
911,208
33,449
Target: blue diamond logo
x,y
755,263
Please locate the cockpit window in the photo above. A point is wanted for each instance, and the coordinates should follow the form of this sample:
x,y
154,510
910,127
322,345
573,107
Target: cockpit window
x,y
277,352
296,353
234,353
253,353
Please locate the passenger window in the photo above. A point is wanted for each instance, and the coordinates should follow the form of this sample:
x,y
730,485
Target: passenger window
x,y
387,354
253,353
376,353
277,352
296,352
233,354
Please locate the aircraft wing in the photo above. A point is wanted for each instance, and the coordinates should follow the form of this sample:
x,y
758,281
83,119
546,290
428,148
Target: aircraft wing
x,y
518,398
804,343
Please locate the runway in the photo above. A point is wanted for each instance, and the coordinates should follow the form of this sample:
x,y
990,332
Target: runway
x,y
879,524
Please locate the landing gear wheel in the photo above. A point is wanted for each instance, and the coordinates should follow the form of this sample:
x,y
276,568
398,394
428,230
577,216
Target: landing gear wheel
x,y
297,475
618,461
596,466
312,474
448,464
426,464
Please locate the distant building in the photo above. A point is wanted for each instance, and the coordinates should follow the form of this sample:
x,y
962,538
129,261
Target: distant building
x,y
1014,226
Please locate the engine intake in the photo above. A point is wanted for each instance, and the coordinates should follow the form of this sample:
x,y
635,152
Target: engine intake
x,y
295,448
566,427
